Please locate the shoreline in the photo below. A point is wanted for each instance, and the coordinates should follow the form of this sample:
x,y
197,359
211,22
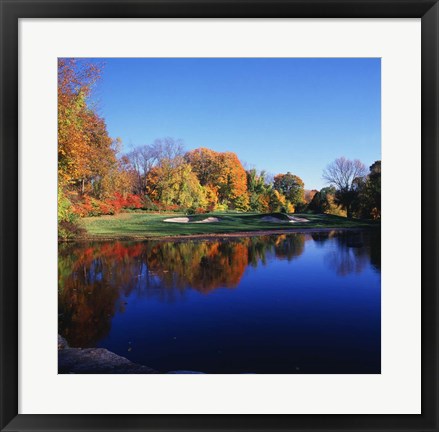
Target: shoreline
x,y
86,361
207,236
95,361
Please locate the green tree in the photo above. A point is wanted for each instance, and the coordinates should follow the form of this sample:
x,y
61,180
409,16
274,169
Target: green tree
x,y
368,203
291,186
257,190
174,183
321,201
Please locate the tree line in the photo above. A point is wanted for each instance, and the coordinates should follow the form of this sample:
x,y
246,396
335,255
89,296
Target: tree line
x,y
353,192
96,178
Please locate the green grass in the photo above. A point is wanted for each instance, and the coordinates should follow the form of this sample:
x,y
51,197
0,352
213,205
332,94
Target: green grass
x,y
147,225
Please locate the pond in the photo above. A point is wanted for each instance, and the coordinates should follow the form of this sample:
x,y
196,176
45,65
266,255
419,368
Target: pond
x,y
289,303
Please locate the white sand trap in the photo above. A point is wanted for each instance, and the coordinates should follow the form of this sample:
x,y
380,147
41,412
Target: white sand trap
x,y
208,220
292,219
177,220
187,220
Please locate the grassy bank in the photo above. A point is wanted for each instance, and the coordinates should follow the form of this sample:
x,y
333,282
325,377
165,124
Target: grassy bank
x,y
147,225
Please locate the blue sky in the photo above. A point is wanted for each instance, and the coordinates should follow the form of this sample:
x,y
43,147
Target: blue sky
x,y
277,114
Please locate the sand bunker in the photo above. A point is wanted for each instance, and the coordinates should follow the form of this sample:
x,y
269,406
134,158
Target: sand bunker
x,y
187,220
210,219
294,219
177,220
291,219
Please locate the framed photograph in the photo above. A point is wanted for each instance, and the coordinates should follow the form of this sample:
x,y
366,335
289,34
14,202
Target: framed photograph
x,y
219,215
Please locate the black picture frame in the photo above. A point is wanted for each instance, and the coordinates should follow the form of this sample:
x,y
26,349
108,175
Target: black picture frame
x,y
12,10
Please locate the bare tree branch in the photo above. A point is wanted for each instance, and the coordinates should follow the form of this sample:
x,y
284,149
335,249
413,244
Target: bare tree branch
x,y
342,172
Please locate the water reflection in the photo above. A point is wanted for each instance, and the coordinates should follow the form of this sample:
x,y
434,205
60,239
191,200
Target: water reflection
x,y
352,252
349,255
96,279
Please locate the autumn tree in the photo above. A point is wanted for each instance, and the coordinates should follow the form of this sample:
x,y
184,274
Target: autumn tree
x,y
144,158
89,168
206,164
84,147
120,178
172,182
291,186
222,172
232,182
277,201
141,159
324,202
345,175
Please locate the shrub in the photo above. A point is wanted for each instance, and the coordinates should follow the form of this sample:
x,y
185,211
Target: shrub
x,y
148,204
221,207
167,207
69,230
68,224
133,202
106,208
89,206
83,208
195,210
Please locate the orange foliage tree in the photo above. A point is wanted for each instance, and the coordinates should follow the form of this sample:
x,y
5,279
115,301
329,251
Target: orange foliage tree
x,y
90,173
223,173
82,135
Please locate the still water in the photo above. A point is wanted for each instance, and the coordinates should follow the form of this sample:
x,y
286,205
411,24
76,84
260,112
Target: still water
x,y
295,303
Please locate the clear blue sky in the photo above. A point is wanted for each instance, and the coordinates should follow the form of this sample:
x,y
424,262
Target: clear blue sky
x,y
277,114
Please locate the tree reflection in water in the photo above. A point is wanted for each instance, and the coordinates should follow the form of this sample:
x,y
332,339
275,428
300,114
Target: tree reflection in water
x,y
95,278
352,251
